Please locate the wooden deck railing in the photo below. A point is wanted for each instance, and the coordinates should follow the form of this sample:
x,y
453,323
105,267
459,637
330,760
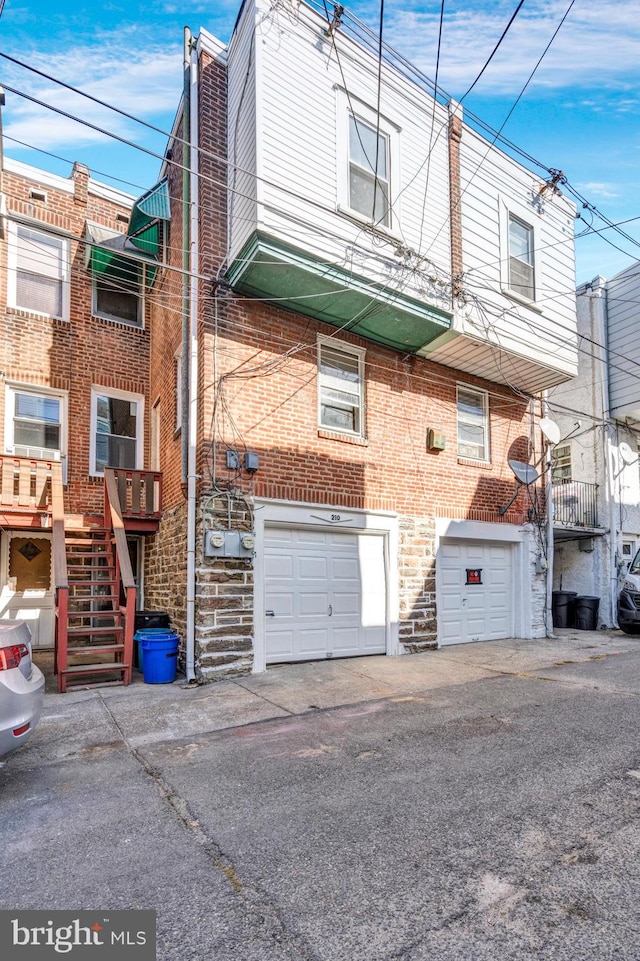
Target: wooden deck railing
x,y
26,483
114,521
139,492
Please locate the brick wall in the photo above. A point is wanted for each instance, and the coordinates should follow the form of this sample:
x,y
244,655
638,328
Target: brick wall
x,y
75,354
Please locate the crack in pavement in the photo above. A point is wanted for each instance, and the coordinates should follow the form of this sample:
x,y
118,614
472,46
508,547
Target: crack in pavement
x,y
256,900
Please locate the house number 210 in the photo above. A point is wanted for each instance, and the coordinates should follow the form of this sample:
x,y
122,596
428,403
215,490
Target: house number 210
x,y
335,517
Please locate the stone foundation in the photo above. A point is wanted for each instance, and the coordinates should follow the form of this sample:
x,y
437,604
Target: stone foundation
x,y
418,629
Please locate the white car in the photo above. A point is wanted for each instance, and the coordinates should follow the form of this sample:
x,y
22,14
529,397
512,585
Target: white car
x,y
21,686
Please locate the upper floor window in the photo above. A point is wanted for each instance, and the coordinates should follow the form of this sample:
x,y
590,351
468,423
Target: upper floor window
x,y
367,163
119,299
369,185
473,423
116,429
521,258
38,275
35,423
561,463
340,388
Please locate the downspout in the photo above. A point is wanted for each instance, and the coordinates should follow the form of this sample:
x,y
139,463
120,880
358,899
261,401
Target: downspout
x,y
192,359
550,545
183,387
601,336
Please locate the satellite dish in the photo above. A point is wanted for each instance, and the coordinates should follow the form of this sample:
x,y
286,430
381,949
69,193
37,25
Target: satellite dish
x,y
627,453
550,430
525,473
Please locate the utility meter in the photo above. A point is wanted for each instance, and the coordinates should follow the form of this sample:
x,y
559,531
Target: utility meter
x,y
248,541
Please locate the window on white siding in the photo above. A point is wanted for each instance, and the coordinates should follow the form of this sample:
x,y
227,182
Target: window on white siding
x,y
35,423
38,275
561,462
521,258
369,184
473,423
116,430
340,388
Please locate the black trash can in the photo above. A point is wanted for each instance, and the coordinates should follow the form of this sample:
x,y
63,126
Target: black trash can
x,y
563,608
586,613
146,619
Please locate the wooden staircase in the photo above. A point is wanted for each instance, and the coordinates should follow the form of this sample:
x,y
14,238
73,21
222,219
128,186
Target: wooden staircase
x,y
96,596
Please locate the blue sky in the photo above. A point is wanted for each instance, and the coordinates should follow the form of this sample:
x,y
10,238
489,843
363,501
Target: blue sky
x,y
579,114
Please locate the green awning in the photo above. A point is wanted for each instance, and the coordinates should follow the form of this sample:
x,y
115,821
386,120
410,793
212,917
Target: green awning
x,y
106,257
145,223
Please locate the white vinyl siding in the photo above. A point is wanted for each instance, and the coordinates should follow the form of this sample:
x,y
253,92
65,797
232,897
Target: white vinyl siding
x,y
300,153
623,295
473,423
116,430
340,389
38,278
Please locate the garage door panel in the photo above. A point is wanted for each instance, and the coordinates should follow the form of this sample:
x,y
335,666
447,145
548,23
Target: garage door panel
x,y
335,596
314,567
279,566
313,642
468,612
313,604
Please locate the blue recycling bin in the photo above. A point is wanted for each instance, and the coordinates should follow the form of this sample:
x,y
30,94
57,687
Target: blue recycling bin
x,y
157,632
160,656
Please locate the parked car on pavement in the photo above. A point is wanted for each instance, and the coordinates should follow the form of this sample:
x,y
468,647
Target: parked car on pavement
x,y
21,686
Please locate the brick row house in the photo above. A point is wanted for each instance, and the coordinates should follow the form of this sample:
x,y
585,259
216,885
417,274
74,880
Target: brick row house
x,y
75,379
345,311
370,311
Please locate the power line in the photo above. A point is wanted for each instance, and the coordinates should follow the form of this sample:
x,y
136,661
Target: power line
x,y
494,51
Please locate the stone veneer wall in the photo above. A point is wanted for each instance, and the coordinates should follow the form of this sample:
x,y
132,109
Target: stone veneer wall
x,y
418,628
165,569
224,598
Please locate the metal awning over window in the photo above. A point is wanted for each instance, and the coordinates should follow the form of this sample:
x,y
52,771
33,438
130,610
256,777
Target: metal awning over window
x,y
106,251
147,215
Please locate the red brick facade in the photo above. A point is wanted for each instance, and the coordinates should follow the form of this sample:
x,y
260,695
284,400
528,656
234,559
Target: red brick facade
x,y
74,354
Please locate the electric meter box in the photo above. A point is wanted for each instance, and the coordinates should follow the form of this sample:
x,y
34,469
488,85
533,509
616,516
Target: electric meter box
x,y
229,544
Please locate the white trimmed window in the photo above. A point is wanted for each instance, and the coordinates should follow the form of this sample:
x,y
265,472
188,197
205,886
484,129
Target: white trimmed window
x,y
368,163
561,463
473,423
35,422
520,262
340,388
38,271
116,430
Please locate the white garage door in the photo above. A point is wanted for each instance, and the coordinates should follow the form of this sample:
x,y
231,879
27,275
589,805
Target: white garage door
x,y
483,609
325,594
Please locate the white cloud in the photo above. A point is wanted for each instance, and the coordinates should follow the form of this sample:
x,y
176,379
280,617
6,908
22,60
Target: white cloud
x,y
596,190
597,45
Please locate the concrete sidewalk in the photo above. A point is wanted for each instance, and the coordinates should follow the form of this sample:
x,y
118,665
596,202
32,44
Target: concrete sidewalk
x,y
144,714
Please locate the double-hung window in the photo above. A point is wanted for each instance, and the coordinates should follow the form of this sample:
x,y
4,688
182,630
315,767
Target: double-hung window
x,y
38,275
116,430
35,423
340,388
561,463
521,258
473,423
369,181
119,298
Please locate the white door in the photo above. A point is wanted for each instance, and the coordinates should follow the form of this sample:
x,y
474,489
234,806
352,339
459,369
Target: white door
x,y
27,592
325,594
476,591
